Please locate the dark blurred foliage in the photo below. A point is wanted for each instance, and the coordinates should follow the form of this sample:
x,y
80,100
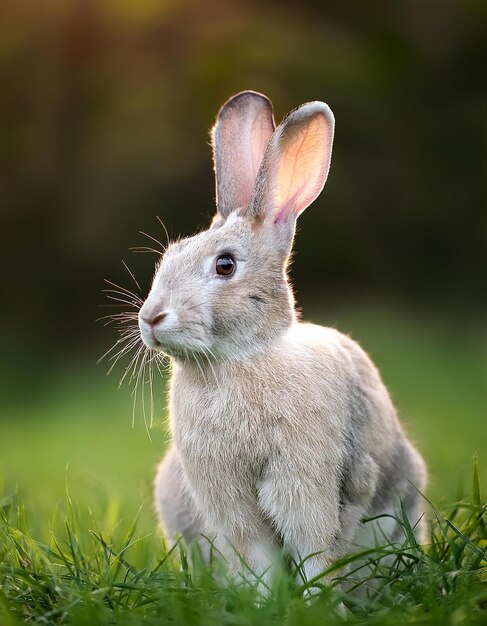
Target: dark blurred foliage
x,y
105,109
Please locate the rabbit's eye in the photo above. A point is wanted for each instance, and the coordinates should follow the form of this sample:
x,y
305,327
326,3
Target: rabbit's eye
x,y
225,265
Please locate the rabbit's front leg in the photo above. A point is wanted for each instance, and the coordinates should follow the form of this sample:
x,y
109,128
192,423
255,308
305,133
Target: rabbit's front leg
x,y
256,555
299,493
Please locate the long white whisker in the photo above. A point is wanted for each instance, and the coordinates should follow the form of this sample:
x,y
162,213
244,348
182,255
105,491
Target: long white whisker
x,y
136,365
141,360
127,314
153,239
149,365
159,361
142,370
135,391
117,343
132,275
118,292
142,388
132,361
128,331
119,320
144,249
122,353
127,291
163,226
127,302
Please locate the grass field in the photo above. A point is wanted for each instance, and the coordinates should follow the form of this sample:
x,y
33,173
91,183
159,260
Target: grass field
x,y
75,475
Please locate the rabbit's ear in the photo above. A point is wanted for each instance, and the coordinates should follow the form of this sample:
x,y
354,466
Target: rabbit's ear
x,y
295,165
240,135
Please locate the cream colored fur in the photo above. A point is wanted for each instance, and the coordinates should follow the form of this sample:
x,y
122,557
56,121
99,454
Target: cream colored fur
x,y
283,432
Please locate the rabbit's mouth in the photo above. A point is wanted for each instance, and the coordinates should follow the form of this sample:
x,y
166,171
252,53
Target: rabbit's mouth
x,y
156,343
148,336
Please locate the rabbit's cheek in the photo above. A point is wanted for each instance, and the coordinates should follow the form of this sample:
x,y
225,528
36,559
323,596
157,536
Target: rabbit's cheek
x,y
174,332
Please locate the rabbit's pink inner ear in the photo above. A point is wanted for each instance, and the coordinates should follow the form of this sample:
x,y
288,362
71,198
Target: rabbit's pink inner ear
x,y
304,161
240,136
286,211
295,165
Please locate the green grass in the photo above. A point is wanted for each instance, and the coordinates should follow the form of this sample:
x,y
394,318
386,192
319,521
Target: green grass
x,y
83,560
102,572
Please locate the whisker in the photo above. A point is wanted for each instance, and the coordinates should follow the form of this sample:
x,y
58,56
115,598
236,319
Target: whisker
x,y
125,302
132,304
129,314
128,303
122,353
159,360
134,394
118,342
127,291
128,331
118,319
140,360
132,275
154,240
144,249
128,336
163,226
111,306
141,377
197,305
187,300
149,366
134,364
132,361
136,368
124,294
120,323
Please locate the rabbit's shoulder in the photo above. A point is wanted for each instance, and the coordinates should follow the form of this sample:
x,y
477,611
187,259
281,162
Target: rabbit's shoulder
x,y
322,344
327,347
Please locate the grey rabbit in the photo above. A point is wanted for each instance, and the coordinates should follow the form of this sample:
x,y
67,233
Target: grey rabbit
x,y
283,433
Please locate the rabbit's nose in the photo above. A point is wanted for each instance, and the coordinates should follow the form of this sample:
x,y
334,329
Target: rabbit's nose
x,y
152,321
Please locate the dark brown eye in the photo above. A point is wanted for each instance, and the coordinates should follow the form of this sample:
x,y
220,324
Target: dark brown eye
x,y
225,265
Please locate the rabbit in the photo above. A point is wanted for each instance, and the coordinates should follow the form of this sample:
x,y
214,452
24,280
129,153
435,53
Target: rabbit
x,y
283,434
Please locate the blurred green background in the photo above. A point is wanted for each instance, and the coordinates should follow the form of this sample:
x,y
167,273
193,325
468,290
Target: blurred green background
x,y
105,108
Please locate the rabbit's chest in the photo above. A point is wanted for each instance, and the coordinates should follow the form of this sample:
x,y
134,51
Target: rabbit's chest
x,y
223,447
216,430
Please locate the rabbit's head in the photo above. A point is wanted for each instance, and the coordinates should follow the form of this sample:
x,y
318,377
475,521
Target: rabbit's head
x,y
224,293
